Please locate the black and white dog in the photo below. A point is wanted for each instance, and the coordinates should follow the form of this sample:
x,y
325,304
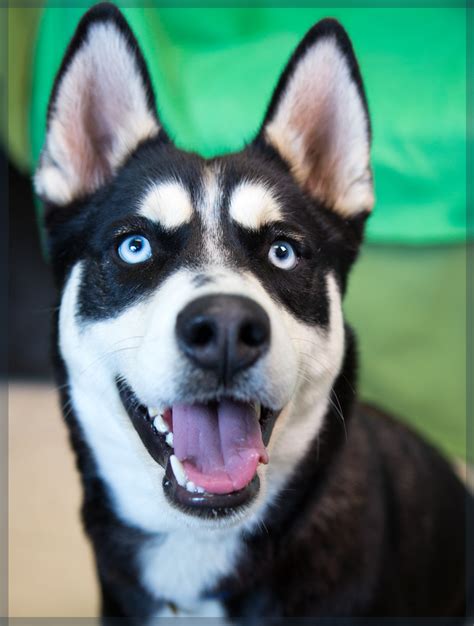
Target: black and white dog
x,y
206,370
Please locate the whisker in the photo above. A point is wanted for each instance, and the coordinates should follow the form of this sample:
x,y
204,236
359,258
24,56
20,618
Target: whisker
x,y
339,413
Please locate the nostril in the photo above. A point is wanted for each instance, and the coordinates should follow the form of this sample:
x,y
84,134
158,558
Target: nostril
x,y
201,333
223,333
253,334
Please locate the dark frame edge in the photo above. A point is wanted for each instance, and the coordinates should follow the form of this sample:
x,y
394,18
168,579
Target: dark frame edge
x,y
470,302
3,319
4,231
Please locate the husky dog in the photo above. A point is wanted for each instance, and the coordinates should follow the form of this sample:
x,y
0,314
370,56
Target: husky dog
x,y
207,373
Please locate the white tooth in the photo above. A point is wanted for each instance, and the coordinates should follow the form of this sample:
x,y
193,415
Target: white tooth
x,y
153,411
178,470
169,439
190,486
160,424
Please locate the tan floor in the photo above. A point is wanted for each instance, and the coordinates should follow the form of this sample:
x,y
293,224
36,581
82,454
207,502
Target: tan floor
x,y
50,563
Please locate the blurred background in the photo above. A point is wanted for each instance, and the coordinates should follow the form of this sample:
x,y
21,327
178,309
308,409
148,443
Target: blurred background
x,y
213,72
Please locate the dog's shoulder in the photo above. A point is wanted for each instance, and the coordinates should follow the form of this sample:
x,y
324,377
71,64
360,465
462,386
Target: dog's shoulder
x,y
426,473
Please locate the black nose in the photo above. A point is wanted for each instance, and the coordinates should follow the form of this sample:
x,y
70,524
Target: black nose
x,y
226,334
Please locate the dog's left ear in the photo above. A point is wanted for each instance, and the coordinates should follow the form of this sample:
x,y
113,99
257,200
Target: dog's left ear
x,y
101,108
319,124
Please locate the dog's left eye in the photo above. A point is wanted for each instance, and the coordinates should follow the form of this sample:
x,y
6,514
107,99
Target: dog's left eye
x,y
134,249
282,254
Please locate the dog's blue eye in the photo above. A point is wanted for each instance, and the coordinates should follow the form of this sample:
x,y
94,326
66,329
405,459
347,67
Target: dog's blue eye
x,y
283,255
135,249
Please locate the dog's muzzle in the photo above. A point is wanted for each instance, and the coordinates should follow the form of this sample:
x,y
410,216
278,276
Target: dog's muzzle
x,y
211,450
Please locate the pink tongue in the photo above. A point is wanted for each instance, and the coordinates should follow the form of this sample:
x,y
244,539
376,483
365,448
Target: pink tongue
x,y
220,445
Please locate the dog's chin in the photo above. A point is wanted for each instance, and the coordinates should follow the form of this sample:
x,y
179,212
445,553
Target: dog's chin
x,y
212,473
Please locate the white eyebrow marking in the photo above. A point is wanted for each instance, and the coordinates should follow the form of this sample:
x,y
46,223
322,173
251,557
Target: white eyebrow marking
x,y
167,203
252,205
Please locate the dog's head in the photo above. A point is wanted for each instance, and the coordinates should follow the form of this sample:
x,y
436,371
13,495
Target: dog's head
x,y
200,320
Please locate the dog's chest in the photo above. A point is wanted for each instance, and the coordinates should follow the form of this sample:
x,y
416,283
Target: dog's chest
x,y
183,568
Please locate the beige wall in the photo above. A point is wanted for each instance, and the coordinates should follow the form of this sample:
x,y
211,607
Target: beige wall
x,y
51,572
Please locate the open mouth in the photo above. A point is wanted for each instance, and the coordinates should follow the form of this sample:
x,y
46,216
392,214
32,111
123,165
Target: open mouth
x,y
210,452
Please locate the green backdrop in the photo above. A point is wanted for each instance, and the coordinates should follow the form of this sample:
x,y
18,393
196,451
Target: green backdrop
x,y
213,72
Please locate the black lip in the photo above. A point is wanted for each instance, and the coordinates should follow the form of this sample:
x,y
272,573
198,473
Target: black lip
x,y
153,441
207,505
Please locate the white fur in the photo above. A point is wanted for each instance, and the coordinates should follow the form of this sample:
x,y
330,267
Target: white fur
x,y
209,210
139,344
167,203
182,566
252,205
101,95
321,111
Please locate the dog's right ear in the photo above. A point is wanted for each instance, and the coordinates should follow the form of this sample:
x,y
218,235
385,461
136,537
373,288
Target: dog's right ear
x,y
318,121
101,108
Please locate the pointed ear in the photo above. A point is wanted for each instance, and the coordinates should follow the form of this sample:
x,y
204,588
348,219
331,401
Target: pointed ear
x,y
319,124
102,106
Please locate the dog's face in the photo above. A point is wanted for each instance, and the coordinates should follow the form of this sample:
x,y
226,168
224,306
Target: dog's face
x,y
200,319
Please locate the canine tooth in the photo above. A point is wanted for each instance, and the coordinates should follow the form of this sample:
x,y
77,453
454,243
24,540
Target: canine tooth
x,y
178,470
160,424
153,411
169,439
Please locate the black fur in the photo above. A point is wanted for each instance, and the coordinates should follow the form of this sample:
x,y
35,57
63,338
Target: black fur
x,y
373,521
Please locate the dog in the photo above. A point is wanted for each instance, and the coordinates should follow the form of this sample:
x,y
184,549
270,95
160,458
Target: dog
x,y
206,371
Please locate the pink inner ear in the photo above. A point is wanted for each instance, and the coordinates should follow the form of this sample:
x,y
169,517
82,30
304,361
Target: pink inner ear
x,y
98,136
100,115
85,140
320,128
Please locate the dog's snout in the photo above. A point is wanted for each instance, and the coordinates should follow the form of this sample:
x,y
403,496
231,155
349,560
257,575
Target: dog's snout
x,y
223,333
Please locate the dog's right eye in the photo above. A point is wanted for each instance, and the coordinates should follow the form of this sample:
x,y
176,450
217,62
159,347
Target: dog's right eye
x,y
135,249
283,255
